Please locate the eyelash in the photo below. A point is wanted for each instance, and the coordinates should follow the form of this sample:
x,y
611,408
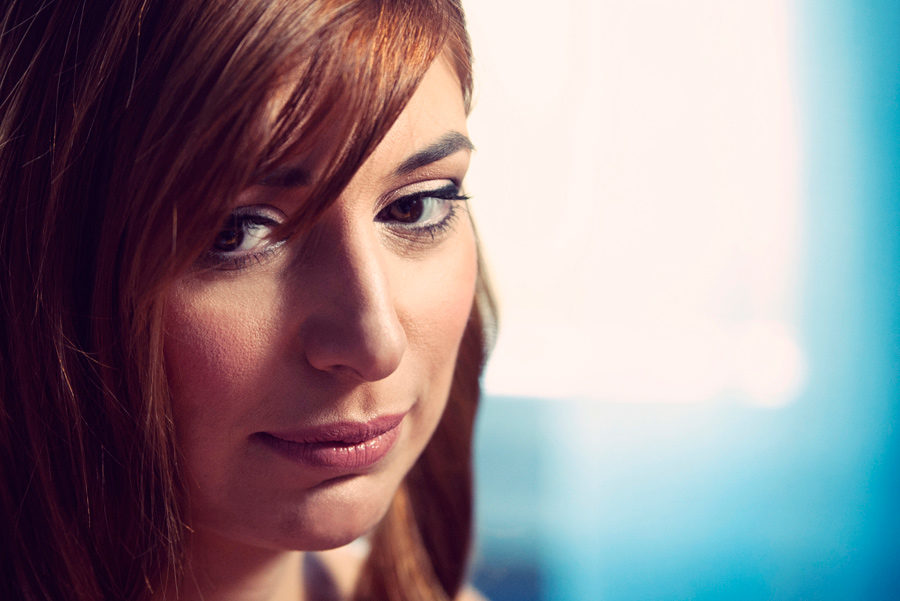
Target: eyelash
x,y
242,220
240,223
449,194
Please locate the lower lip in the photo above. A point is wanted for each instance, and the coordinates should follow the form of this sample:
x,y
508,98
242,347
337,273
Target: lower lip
x,y
335,454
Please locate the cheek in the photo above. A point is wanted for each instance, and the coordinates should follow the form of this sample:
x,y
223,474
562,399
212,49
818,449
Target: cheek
x,y
216,349
438,308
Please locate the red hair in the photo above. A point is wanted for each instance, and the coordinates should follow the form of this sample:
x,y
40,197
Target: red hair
x,y
127,127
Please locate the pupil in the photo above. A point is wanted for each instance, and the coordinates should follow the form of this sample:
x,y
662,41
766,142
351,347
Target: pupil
x,y
229,238
408,211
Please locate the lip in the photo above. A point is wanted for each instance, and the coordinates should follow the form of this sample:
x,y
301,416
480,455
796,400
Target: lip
x,y
339,445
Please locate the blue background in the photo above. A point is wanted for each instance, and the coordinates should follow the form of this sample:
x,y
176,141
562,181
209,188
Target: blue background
x,y
720,500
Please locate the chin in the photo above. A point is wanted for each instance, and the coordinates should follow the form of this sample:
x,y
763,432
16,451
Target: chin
x,y
340,527
328,517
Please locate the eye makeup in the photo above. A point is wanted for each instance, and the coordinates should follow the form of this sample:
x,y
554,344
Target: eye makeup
x,y
423,215
244,239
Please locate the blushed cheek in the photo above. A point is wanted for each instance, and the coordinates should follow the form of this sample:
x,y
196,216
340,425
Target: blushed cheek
x,y
448,306
215,344
202,353
459,304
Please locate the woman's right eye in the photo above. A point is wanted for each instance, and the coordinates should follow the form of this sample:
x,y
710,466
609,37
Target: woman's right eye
x,y
245,237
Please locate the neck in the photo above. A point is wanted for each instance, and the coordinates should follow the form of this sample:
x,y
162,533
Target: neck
x,y
222,570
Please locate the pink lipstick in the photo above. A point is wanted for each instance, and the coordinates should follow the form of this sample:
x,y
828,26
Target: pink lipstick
x,y
340,445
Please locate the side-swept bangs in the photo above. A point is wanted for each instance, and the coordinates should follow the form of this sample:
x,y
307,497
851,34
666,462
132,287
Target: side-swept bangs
x,y
247,90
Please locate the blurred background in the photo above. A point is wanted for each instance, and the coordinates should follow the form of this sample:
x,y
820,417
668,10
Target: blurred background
x,y
691,216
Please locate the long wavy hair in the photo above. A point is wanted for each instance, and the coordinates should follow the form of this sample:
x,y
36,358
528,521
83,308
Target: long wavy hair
x,y
127,127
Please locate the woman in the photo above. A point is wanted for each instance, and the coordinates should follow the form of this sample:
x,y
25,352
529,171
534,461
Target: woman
x,y
243,318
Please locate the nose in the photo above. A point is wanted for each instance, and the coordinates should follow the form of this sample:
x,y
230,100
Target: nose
x,y
355,329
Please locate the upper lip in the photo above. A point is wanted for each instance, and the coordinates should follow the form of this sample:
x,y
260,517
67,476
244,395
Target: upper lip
x,y
343,432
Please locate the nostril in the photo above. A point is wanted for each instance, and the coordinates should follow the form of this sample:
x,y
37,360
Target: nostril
x,y
367,348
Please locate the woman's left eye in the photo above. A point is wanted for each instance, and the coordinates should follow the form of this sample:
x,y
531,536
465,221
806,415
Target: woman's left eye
x,y
426,212
244,237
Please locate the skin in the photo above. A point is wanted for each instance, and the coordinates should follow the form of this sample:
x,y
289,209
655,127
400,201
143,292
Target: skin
x,y
357,319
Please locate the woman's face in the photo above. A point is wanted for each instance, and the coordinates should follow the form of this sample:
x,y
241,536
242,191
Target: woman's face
x,y
307,376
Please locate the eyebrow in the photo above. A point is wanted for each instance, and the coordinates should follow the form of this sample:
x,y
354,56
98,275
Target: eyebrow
x,y
448,144
287,176
290,176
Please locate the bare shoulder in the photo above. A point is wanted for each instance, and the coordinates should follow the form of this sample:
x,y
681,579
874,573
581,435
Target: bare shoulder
x,y
335,572
470,594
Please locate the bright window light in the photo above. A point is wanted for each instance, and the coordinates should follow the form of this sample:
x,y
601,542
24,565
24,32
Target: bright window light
x,y
637,189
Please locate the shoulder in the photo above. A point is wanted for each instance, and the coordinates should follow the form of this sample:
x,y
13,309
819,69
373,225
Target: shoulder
x,y
335,572
470,594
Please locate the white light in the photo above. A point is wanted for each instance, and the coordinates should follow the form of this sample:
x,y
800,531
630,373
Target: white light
x,y
637,191
770,368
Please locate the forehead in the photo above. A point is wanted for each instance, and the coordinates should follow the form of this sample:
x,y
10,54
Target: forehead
x,y
435,109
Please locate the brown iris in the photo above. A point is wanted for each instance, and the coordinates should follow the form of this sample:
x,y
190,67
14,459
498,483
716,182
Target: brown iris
x,y
230,237
405,210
